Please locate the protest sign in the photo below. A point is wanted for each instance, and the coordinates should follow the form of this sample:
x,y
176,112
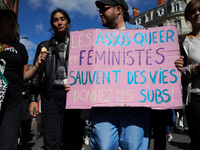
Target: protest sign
x,y
126,68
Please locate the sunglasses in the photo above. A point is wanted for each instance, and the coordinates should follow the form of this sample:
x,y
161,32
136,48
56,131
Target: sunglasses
x,y
193,11
104,8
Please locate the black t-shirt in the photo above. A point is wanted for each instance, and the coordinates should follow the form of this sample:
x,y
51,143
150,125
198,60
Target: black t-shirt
x,y
15,56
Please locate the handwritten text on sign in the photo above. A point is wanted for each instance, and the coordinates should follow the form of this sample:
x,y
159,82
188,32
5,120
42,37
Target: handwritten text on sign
x,y
132,67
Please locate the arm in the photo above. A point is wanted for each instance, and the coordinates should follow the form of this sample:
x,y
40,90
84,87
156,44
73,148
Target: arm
x,y
191,71
30,73
188,71
35,84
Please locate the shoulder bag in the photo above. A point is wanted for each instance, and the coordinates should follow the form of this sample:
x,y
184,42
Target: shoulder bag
x,y
3,81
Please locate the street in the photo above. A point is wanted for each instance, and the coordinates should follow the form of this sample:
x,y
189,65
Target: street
x,y
180,141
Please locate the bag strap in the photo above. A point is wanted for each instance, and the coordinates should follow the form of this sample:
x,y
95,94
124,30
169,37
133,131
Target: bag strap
x,y
3,47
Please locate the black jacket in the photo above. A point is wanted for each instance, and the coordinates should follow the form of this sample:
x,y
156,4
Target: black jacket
x,y
43,81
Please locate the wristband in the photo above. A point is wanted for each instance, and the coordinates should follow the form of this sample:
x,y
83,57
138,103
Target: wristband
x,y
36,66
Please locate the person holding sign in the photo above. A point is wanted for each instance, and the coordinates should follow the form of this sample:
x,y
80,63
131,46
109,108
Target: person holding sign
x,y
189,65
51,83
127,127
15,58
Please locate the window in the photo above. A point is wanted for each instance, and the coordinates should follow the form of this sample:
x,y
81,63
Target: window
x,y
148,17
176,7
138,21
160,12
178,24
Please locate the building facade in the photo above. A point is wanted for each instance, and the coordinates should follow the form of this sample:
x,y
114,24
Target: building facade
x,y
165,14
10,4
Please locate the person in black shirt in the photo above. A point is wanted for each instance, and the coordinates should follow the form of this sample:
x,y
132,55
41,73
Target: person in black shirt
x,y
15,56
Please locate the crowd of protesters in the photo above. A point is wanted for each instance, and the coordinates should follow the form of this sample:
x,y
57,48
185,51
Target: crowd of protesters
x,y
109,127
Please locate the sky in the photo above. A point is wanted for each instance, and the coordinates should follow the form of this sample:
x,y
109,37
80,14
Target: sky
x,y
34,18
